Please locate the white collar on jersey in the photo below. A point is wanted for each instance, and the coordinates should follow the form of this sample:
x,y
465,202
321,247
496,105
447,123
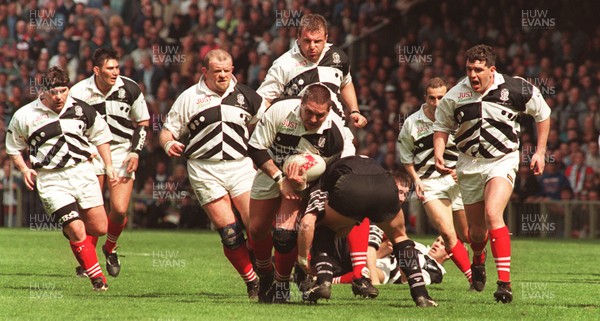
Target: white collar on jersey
x,y
92,86
498,80
201,86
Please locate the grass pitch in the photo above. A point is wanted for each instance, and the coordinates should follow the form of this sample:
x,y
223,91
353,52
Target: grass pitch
x,y
185,276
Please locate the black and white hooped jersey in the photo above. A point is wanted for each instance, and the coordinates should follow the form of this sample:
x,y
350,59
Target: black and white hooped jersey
x,y
487,125
217,127
122,107
56,140
415,144
281,132
292,72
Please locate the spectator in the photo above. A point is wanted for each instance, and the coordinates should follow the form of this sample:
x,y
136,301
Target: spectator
x,y
578,171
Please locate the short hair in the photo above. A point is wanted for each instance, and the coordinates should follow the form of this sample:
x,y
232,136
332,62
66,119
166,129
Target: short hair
x,y
312,22
54,77
402,178
317,93
101,55
482,53
433,83
216,54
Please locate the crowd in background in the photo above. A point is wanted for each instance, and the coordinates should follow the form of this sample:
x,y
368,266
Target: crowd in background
x,y
162,43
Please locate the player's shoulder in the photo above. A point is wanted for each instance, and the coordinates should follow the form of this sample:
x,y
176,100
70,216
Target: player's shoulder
x,y
247,91
284,60
280,107
87,109
130,85
80,88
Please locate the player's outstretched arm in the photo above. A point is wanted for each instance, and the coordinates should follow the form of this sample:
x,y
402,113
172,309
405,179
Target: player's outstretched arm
x,y
104,151
172,147
348,94
440,139
538,161
28,173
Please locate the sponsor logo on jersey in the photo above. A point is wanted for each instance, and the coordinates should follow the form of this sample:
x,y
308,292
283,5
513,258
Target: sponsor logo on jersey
x,y
289,124
464,96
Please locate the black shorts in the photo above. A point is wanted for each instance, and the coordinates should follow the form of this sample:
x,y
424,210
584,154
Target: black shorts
x,y
366,195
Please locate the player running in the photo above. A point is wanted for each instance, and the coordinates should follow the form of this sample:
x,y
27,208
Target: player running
x,y
121,103
60,133
483,109
440,194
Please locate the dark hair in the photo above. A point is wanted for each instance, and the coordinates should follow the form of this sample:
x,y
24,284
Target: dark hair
x,y
482,53
101,55
435,82
312,22
54,77
401,177
317,93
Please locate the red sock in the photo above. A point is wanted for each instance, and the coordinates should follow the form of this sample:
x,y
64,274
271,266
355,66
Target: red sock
x,y
500,245
114,231
479,248
284,263
460,257
358,242
93,240
262,254
240,259
344,279
85,253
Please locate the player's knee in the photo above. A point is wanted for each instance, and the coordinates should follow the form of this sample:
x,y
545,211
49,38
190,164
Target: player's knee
x,y
74,231
97,229
232,235
284,241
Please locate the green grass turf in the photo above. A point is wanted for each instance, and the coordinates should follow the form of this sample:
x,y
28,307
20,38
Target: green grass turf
x,y
185,276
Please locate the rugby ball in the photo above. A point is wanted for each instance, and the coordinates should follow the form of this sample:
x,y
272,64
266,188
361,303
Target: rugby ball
x,y
313,165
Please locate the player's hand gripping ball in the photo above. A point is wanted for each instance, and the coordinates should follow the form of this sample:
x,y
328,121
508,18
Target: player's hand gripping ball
x,y
313,165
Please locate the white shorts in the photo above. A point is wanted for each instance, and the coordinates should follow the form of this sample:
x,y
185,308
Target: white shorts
x,y
443,187
473,173
118,153
76,184
214,179
264,187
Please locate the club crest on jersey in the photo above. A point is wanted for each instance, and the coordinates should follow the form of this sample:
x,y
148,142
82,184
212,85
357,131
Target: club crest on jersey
x,y
121,93
321,142
240,99
78,111
504,94
336,58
